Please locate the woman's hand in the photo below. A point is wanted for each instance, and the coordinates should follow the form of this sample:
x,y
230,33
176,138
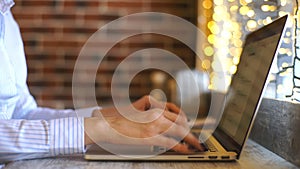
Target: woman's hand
x,y
153,123
145,103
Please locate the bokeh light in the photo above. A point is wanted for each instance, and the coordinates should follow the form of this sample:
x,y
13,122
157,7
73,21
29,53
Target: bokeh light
x,y
229,22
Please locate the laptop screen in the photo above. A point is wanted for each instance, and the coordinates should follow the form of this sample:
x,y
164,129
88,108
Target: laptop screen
x,y
244,94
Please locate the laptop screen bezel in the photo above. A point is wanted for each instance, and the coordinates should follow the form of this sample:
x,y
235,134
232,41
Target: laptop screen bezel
x,y
227,141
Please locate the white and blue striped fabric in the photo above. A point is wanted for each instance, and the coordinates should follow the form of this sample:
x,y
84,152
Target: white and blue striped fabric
x,y
24,139
26,130
5,5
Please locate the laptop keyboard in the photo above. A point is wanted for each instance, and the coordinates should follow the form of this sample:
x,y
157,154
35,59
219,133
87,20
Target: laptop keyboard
x,y
209,146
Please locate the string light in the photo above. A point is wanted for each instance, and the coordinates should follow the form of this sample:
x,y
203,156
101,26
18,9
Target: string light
x,y
229,22
295,95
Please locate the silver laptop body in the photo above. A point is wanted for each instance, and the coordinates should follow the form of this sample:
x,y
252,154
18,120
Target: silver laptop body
x,y
243,98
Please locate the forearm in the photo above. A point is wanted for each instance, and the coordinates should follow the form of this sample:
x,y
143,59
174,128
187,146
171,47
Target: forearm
x,y
26,108
43,113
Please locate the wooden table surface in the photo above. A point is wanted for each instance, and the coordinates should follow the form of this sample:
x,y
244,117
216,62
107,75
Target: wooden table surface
x,y
253,157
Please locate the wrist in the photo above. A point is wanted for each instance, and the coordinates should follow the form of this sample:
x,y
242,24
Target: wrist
x,y
87,139
95,130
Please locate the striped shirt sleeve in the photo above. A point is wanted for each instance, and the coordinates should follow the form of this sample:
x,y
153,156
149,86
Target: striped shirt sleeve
x,y
26,139
67,136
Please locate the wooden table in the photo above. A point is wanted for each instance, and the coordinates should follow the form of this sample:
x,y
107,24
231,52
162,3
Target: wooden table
x,y
253,157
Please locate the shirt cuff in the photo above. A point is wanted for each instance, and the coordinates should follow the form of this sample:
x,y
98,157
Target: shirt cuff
x,y
67,136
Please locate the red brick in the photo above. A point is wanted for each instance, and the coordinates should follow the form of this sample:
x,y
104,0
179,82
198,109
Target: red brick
x,y
55,31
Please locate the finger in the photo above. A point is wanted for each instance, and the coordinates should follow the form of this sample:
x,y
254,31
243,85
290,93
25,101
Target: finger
x,y
156,104
192,140
175,130
175,109
176,118
172,107
165,105
142,104
199,123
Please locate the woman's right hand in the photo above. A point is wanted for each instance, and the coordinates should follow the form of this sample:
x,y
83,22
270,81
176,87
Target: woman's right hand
x,y
152,127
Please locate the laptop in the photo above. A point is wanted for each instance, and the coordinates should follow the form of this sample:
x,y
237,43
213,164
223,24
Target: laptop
x,y
226,141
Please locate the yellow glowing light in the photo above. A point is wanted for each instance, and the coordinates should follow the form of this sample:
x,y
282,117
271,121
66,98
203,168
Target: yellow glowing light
x,y
288,33
283,73
208,51
282,13
215,29
217,18
273,8
226,34
224,63
250,13
281,51
227,25
221,44
236,34
225,41
226,17
207,4
243,2
235,52
265,8
236,60
233,69
212,75
244,10
237,43
206,64
267,20
287,40
235,26
260,22
217,66
227,62
251,24
220,10
284,64
211,38
228,80
218,2
211,24
234,8
217,59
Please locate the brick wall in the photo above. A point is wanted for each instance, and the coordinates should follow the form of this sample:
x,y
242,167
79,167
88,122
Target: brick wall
x,y
55,30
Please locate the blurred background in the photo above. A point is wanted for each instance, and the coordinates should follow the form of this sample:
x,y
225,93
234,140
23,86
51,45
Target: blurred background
x,y
54,32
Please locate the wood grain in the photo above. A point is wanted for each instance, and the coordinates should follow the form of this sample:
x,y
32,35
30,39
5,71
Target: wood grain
x,y
253,157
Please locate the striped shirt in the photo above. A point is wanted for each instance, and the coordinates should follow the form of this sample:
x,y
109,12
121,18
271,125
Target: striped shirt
x,y
26,130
